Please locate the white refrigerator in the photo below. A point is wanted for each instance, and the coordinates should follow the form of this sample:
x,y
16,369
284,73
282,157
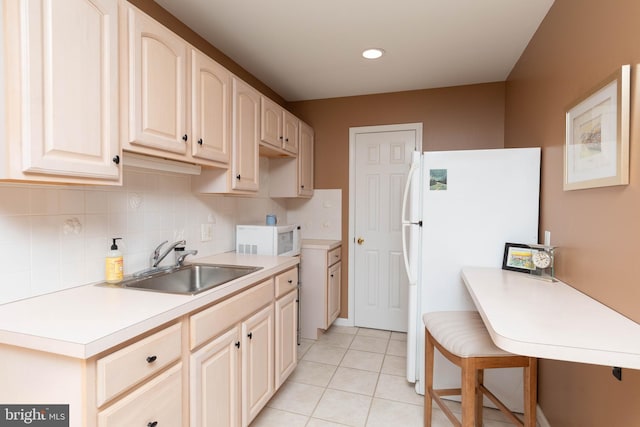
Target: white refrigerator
x,y
460,208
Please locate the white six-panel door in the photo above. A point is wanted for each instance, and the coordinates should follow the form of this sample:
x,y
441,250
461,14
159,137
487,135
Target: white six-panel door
x,y
382,160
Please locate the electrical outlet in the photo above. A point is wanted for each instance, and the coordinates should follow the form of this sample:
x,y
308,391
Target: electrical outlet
x,y
206,232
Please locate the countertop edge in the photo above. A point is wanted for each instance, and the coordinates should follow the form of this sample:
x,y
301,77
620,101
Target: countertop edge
x,y
172,312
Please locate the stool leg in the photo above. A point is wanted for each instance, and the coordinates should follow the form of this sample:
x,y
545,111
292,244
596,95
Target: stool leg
x,y
530,392
468,392
428,378
479,397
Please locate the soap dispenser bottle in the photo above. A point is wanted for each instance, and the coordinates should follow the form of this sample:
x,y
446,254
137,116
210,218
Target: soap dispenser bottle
x,y
113,264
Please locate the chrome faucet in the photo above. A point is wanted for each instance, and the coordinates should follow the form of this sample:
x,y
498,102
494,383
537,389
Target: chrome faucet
x,y
157,257
180,259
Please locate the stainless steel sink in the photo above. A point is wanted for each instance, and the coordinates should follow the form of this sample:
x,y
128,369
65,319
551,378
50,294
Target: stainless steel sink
x,y
189,279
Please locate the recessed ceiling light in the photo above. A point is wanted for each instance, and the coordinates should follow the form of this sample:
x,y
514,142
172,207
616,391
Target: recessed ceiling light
x,y
374,53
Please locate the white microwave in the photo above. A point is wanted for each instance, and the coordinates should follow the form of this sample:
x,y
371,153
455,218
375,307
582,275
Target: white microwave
x,y
281,240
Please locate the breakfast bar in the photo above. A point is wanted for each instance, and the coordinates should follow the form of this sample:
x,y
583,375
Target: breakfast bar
x,y
551,320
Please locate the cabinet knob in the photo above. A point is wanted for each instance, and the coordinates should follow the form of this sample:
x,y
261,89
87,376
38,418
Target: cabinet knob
x,y
281,138
290,281
302,186
238,177
151,359
332,275
116,159
237,344
286,140
152,424
200,141
250,335
184,137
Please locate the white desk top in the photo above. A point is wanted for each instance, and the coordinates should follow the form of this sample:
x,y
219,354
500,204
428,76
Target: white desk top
x,y
532,317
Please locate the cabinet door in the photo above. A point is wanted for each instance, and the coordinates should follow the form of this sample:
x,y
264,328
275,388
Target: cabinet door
x,y
215,382
157,85
62,111
210,108
286,334
305,161
246,133
290,131
333,293
257,363
271,122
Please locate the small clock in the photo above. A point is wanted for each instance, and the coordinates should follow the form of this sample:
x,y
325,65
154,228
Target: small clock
x,y
541,259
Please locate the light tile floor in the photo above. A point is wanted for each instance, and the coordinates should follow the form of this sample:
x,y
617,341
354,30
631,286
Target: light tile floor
x,y
353,377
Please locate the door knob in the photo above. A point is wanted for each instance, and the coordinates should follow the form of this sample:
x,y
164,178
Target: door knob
x,y
360,240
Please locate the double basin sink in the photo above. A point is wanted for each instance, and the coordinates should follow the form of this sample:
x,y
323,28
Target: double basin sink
x,y
187,280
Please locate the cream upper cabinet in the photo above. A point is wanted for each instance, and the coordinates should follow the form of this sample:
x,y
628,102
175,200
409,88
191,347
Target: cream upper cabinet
x,y
61,84
305,161
278,129
290,131
157,89
293,177
246,135
271,122
210,105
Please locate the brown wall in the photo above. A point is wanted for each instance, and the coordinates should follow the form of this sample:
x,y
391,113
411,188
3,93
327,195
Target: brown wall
x,y
579,44
455,118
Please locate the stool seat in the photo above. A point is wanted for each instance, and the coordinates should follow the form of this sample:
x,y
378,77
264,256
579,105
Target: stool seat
x,y
462,333
461,337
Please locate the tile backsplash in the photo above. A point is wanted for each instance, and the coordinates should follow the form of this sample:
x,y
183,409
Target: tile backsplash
x,y
56,237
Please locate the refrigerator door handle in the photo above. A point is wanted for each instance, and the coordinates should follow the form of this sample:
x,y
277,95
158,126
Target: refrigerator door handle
x,y
406,223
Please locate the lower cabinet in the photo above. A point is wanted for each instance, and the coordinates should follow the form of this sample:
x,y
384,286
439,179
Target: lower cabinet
x,y
243,350
321,286
218,366
218,362
257,363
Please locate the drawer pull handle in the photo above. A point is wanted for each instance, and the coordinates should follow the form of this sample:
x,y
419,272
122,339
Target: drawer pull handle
x,y
153,424
151,359
250,335
238,344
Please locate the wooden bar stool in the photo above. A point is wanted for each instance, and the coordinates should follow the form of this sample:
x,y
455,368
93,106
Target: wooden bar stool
x,y
462,338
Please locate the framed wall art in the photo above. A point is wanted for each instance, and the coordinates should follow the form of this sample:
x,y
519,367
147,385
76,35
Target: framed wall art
x,y
597,135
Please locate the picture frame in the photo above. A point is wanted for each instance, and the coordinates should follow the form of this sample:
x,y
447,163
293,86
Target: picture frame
x,y
597,135
518,257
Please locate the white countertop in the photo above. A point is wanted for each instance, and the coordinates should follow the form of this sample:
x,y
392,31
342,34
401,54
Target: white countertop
x,y
320,244
84,321
548,320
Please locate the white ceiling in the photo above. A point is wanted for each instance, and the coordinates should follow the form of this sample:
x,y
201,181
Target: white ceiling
x,y
311,49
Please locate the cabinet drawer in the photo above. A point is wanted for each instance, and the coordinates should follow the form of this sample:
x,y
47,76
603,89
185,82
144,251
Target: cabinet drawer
x,y
286,282
136,362
216,319
159,401
334,255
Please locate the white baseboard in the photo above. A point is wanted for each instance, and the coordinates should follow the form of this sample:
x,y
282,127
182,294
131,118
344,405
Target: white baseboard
x,y
341,321
541,419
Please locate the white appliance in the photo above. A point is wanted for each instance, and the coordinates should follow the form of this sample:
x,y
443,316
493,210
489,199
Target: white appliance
x,y
281,240
460,208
